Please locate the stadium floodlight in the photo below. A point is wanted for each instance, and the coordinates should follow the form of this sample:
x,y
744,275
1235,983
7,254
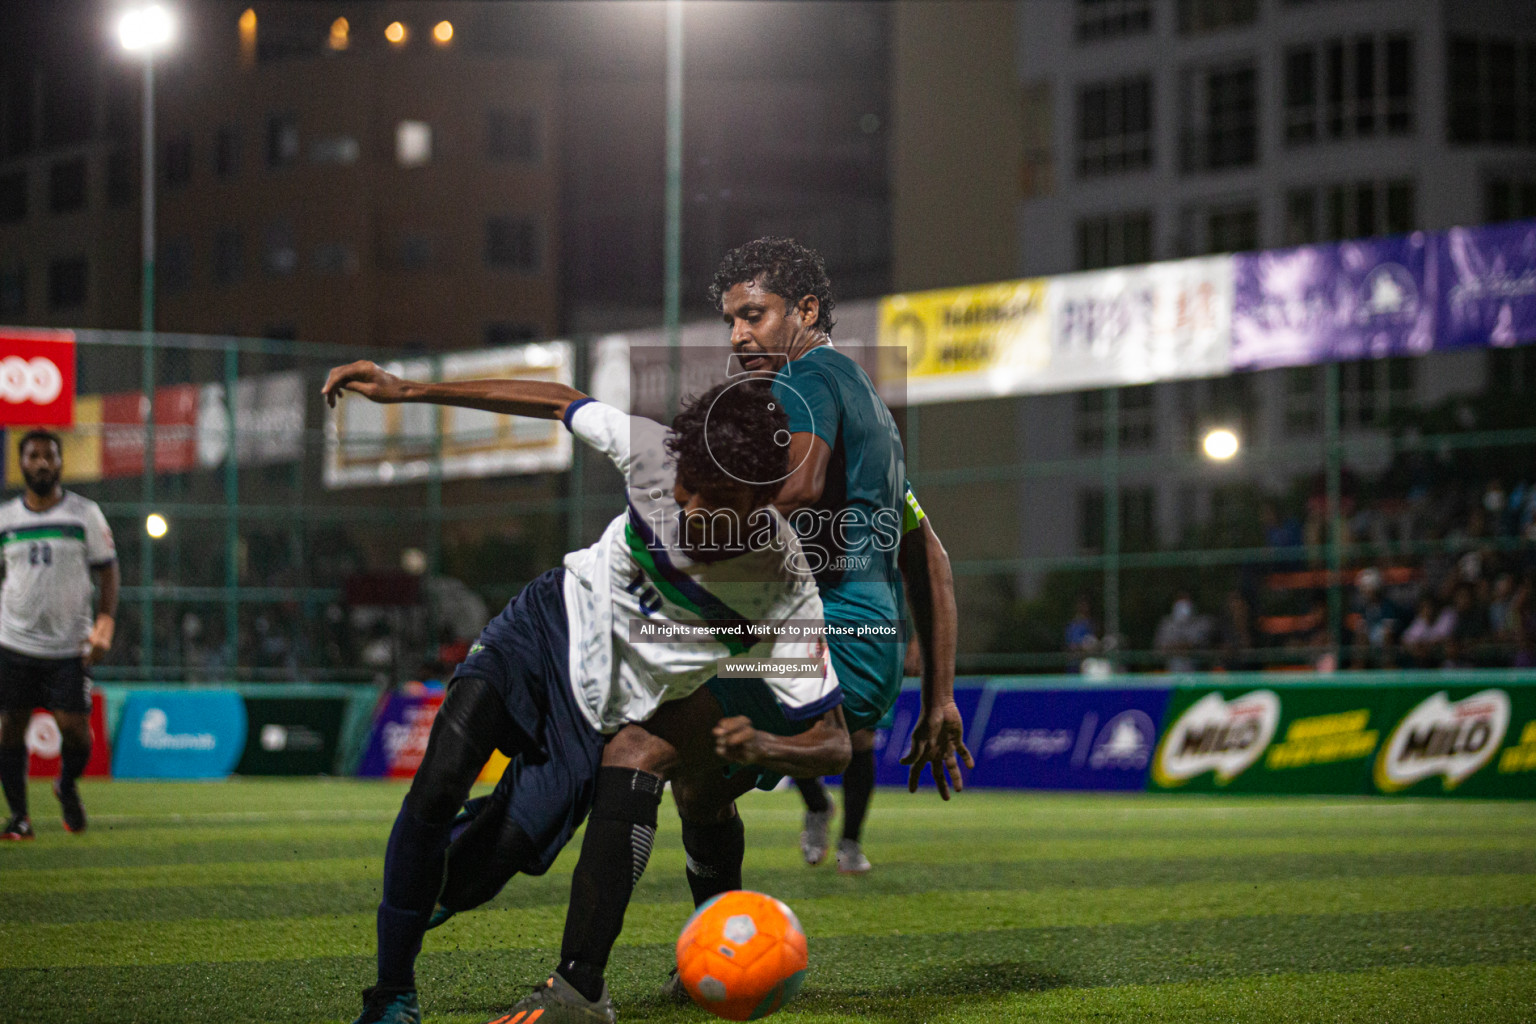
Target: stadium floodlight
x,y
155,525
1220,444
146,29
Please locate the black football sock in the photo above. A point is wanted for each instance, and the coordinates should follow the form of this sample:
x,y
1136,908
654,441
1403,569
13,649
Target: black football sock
x,y
614,853
75,757
715,850
815,794
13,778
858,789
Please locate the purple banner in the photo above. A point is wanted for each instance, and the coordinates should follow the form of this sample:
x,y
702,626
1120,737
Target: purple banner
x,y
1487,279
1068,739
1324,303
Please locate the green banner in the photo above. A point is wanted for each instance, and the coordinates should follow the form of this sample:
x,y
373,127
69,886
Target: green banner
x,y
1464,740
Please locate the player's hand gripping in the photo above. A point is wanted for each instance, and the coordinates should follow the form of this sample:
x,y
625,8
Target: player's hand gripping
x,y
939,741
736,740
367,379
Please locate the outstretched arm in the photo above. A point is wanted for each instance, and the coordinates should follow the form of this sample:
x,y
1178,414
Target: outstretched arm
x,y
536,399
939,738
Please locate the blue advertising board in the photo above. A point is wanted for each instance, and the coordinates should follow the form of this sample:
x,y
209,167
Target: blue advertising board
x,y
1067,739
179,735
1487,286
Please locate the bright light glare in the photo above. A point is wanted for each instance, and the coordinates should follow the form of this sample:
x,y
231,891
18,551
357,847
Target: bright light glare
x,y
340,34
1220,444
443,31
395,33
146,28
155,525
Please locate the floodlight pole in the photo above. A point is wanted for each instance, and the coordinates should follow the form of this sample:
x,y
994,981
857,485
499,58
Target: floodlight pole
x,y
147,327
672,292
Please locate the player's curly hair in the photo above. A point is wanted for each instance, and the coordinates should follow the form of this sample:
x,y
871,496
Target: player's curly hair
x,y
742,419
782,266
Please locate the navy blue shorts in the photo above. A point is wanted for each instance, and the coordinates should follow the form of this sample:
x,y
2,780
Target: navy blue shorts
x,y
524,653
58,684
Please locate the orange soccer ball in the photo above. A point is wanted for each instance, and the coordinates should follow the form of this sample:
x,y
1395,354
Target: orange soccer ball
x,y
742,955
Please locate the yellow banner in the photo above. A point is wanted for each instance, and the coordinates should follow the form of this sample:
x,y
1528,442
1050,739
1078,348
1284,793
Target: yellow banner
x,y
81,445
962,342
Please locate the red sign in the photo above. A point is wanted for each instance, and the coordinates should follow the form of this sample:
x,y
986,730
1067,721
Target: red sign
x,y
122,431
37,378
44,742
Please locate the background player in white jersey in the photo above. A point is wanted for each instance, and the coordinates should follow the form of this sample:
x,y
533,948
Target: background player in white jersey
x,y
54,542
566,664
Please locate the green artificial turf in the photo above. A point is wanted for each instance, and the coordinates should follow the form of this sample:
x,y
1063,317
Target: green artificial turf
x,y
253,900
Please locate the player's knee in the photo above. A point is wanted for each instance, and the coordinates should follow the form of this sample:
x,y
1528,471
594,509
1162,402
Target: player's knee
x,y
637,749
696,805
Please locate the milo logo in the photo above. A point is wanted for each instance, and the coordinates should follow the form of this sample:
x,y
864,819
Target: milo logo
x,y
1442,738
1214,734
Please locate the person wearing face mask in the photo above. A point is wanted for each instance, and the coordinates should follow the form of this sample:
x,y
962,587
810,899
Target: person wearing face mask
x,y
54,542
1182,632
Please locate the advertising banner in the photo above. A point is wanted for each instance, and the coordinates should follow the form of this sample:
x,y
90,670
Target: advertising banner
x,y
1068,739
976,342
37,378
1162,321
45,744
1486,281
81,445
398,740
1323,303
269,421
382,444
194,734
122,417
1467,740
291,736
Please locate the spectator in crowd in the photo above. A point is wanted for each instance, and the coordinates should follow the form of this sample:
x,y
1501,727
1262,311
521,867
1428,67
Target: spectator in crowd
x,y
1427,634
1182,632
1082,634
1373,621
1501,607
1234,634
1469,630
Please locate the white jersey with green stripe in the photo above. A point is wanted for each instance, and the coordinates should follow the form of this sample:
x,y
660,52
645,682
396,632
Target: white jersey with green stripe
x,y
623,592
45,604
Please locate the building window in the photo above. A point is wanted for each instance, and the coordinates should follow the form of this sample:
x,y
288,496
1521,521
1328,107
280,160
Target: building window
x,y
1349,88
1492,86
1138,519
1107,19
120,178
1509,199
1115,240
512,135
1303,409
1212,15
1114,127
13,197
226,151
1512,370
282,140
1370,389
1138,418
334,149
280,254
413,143
503,332
1037,169
1300,217
13,290
66,185
1362,209
512,242
176,156
68,284
1221,129
228,255
334,258
173,270
1224,227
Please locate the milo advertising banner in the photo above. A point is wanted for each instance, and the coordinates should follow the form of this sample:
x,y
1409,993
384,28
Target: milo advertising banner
x,y
1414,740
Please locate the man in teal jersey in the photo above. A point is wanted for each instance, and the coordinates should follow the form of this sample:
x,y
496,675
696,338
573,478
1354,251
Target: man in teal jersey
x,y
858,520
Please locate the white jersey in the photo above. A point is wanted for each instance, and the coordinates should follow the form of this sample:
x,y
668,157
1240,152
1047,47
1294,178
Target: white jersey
x,y
45,604
638,574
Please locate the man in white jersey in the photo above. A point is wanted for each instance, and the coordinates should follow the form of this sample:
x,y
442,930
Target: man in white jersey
x,y
572,659
54,542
